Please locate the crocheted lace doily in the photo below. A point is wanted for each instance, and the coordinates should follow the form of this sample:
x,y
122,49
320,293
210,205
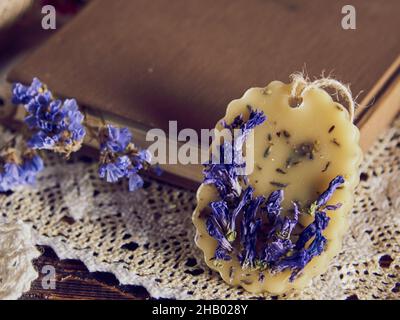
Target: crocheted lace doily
x,y
146,238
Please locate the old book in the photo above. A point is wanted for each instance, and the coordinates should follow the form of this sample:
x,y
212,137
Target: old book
x,y
143,63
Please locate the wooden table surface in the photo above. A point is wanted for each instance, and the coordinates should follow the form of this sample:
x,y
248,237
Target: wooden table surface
x,y
75,282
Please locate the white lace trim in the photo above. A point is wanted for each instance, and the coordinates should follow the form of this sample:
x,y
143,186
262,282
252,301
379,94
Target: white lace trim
x,y
17,250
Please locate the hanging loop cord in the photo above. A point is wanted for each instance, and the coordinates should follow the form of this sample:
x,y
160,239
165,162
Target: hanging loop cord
x,y
301,86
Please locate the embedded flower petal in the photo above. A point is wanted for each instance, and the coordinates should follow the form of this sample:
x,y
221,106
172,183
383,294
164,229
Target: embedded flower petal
x,y
327,194
273,205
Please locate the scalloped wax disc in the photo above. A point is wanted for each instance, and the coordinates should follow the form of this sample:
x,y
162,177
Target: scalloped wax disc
x,y
299,150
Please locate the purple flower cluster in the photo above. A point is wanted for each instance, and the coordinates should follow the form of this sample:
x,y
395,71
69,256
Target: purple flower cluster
x,y
57,124
249,230
222,222
280,252
273,234
278,238
255,118
18,169
225,174
119,158
326,195
266,236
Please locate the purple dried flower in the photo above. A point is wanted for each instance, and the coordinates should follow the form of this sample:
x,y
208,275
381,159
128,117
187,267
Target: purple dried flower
x,y
276,249
248,257
221,214
119,158
57,124
134,181
279,237
300,255
225,172
333,207
320,223
222,254
255,118
235,124
287,225
243,202
113,171
249,231
299,259
18,168
31,165
115,139
24,94
224,176
215,231
273,205
221,225
326,195
226,214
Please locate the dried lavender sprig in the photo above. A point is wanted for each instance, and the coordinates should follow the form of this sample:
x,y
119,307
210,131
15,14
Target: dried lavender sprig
x,y
57,125
320,222
326,195
287,225
225,215
279,252
249,233
300,258
222,254
214,230
226,176
255,118
119,158
279,242
18,167
273,205
223,175
245,199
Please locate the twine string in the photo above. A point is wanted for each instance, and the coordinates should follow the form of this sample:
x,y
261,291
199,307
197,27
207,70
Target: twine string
x,y
302,85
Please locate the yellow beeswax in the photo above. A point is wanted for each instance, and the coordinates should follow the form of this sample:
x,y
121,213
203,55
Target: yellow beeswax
x,y
282,146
